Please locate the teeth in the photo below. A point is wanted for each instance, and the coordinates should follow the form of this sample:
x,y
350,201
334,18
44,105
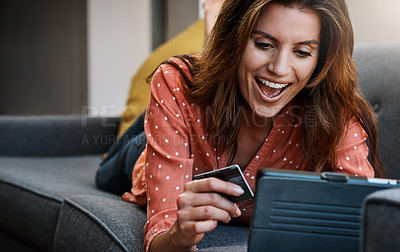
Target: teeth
x,y
271,84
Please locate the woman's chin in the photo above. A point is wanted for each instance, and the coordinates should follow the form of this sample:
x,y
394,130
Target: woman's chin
x,y
267,112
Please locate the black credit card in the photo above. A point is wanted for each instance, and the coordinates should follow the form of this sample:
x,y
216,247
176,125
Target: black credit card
x,y
232,174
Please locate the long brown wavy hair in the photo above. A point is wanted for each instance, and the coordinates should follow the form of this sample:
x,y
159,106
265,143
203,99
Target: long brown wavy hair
x,y
332,95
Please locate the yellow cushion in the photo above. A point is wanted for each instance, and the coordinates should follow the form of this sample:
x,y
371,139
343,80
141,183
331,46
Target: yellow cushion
x,y
189,41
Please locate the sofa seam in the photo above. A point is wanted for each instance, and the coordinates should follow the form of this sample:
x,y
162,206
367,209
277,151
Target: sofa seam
x,y
97,220
31,190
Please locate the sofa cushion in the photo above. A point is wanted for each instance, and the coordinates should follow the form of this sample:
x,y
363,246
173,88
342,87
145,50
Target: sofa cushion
x,y
94,223
379,79
52,202
28,214
381,221
32,191
10,243
98,223
225,238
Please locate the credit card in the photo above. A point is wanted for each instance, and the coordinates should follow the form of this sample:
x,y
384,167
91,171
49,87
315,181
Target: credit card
x,y
232,174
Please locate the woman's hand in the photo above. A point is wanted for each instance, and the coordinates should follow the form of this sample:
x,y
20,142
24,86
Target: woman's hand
x,y
211,11
200,207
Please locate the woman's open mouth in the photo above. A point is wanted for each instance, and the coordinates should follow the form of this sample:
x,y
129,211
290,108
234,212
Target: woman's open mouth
x,y
270,89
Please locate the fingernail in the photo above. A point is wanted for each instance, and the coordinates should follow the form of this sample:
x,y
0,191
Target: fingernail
x,y
238,211
238,190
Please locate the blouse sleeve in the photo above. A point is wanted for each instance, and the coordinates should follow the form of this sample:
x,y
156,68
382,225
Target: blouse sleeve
x,y
168,162
352,153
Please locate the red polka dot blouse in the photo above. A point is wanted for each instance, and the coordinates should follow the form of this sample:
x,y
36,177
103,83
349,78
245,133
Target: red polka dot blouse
x,y
178,148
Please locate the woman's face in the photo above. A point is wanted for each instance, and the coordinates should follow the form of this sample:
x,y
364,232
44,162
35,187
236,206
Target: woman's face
x,y
279,58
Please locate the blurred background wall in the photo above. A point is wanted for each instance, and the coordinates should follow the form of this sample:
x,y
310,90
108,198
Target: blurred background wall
x,y
119,40
75,56
375,21
43,56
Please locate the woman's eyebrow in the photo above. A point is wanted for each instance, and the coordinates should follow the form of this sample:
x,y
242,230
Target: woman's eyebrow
x,y
309,42
268,36
265,35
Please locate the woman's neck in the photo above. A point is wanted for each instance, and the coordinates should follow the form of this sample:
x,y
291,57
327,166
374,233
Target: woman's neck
x,y
253,123
253,132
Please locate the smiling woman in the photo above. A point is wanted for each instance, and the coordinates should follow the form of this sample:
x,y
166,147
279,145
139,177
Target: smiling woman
x,y
279,58
275,86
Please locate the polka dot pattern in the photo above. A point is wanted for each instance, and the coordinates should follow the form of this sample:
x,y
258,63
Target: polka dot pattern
x,y
353,151
178,147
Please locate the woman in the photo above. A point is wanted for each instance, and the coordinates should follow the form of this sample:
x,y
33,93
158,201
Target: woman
x,y
275,87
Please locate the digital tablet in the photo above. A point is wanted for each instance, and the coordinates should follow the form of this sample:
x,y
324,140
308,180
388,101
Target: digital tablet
x,y
307,211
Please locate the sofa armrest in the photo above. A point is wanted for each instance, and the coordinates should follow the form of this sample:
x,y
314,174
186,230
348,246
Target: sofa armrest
x,y
56,135
381,221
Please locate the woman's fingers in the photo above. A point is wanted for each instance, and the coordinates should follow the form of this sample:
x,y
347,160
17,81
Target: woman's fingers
x,y
189,199
205,226
204,192
213,185
203,213
200,207
194,228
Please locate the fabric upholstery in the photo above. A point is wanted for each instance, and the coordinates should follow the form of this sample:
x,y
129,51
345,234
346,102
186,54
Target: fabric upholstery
x,y
35,226
56,135
32,190
69,214
10,243
97,223
379,79
381,221
52,177
225,236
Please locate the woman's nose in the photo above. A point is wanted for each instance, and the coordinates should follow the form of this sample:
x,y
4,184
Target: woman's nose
x,y
279,64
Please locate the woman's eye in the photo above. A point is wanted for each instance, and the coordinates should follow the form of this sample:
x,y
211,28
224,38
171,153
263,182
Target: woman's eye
x,y
302,54
263,45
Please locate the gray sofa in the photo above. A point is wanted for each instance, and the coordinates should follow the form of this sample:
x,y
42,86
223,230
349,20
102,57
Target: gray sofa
x,y
49,202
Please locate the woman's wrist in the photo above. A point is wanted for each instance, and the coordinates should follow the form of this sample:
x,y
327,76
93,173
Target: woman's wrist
x,y
172,233
166,241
